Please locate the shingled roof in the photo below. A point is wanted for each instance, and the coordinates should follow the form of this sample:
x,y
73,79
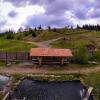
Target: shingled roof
x,y
50,52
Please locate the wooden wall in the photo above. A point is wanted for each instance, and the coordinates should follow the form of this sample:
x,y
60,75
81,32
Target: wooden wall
x,y
14,55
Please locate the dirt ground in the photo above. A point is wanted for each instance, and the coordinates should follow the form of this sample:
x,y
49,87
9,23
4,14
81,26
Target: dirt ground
x,y
27,69
44,44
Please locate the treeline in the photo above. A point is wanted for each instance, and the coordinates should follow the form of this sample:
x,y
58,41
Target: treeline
x,y
10,34
89,27
22,32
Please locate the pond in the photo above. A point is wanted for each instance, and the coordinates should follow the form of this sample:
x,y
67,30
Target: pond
x,y
49,90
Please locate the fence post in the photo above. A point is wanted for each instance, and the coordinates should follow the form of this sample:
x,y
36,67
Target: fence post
x,y
16,55
6,58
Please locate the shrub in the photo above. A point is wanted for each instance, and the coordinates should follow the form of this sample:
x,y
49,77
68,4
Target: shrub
x,y
96,56
54,30
9,36
26,34
18,38
33,34
81,55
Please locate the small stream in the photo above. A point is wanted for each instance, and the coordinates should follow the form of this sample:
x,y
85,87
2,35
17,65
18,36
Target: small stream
x,y
49,90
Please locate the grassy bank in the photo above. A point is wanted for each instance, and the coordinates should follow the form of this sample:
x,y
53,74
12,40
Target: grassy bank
x,y
14,45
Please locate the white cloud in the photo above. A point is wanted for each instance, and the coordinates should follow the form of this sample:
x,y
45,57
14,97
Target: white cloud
x,y
22,14
90,11
91,0
5,8
45,12
72,18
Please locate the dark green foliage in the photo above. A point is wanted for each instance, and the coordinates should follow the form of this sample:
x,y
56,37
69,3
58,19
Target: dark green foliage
x,y
20,30
91,27
96,56
49,28
71,26
54,30
81,55
26,34
18,38
33,34
30,31
9,35
40,27
78,27
2,34
65,28
35,29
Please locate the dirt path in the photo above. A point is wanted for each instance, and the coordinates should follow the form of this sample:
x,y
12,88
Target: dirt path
x,y
30,70
44,44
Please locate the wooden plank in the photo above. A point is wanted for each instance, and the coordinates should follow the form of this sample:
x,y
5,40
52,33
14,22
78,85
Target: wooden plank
x,y
6,96
87,95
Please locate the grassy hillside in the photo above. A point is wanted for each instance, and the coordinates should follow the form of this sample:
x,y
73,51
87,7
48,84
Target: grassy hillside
x,y
14,45
47,35
51,34
71,38
77,39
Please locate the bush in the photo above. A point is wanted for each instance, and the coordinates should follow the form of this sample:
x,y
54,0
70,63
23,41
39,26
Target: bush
x,y
33,34
54,30
9,36
96,56
81,55
26,34
18,38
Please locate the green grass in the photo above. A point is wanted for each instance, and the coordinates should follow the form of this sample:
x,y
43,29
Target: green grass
x,y
93,80
76,39
47,35
14,45
69,43
2,63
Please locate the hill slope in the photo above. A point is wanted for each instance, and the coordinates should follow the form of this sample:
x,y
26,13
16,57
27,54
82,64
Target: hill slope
x,y
59,38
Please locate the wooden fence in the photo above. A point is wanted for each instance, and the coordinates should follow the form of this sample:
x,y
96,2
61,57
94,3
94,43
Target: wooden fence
x,y
14,55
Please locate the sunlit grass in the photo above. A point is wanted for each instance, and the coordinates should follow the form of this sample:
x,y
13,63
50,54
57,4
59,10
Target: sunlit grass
x,y
14,45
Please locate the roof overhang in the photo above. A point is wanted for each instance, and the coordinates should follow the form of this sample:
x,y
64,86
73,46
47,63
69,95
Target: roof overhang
x,y
51,52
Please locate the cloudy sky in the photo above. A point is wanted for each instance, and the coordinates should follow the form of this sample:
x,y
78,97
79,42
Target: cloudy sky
x,y
57,13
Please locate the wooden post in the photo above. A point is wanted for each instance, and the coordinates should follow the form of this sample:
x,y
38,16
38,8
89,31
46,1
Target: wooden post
x,y
16,55
40,61
62,61
6,58
28,58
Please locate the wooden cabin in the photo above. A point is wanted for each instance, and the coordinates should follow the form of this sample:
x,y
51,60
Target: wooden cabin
x,y
50,56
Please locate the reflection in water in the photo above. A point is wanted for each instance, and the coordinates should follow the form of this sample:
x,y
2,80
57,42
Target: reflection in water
x,y
44,90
